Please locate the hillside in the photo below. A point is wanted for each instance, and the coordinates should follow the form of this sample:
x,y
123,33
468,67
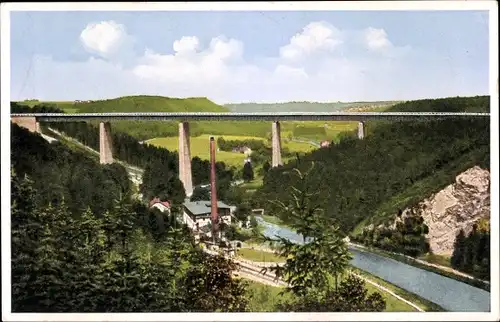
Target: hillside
x,y
60,174
142,130
396,166
140,103
302,106
458,206
149,104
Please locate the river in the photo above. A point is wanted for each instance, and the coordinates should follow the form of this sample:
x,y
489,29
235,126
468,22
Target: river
x,y
448,293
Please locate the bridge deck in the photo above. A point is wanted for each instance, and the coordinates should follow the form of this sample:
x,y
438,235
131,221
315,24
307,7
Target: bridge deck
x,y
281,116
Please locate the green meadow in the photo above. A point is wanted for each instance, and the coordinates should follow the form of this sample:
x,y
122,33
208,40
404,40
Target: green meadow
x,y
200,147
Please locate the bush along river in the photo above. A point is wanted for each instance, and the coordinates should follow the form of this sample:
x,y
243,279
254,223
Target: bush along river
x,y
448,293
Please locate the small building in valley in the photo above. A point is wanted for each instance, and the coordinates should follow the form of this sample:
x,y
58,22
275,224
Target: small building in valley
x,y
324,144
163,206
242,149
196,214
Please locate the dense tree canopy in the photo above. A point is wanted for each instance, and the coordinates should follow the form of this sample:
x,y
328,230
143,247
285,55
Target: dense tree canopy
x,y
472,253
59,173
357,177
111,263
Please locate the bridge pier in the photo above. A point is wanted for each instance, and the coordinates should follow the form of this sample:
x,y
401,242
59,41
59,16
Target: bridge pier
x,y
185,174
28,122
105,143
361,130
276,144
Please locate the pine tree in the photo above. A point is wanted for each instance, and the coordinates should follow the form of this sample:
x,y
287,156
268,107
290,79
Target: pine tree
x,y
248,174
312,265
457,258
200,194
26,231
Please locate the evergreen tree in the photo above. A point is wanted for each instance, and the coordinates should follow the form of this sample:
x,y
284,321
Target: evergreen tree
x,y
248,172
310,266
457,258
200,194
266,166
211,287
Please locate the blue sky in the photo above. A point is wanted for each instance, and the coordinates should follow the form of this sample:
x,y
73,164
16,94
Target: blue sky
x,y
250,56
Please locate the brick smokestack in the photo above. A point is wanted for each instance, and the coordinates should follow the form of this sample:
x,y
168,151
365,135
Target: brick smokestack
x,y
213,190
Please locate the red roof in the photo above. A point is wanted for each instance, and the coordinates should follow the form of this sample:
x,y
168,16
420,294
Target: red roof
x,y
157,200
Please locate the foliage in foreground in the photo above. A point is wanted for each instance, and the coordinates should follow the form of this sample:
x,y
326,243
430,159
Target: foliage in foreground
x,y
88,264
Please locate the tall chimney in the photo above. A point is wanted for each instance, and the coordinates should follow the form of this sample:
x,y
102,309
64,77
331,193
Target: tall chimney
x,y
213,190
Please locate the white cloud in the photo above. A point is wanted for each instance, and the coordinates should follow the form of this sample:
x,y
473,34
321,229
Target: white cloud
x,y
315,37
186,45
105,38
321,63
188,64
376,39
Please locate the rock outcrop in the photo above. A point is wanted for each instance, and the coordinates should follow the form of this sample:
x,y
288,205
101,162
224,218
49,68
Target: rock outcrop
x,y
458,206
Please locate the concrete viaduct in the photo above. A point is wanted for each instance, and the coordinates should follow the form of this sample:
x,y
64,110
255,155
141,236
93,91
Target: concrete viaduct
x,y
31,122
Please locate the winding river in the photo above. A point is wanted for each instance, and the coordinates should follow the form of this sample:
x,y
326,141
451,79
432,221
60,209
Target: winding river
x,y
450,294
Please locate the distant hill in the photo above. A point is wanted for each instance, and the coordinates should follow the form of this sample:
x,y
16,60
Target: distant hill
x,y
303,106
142,103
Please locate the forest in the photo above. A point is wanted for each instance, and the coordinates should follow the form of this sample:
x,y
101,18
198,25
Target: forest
x,y
356,178
81,244
62,175
73,251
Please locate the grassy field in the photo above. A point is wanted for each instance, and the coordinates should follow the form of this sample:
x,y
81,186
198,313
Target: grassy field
x,y
263,298
259,256
254,184
436,259
200,147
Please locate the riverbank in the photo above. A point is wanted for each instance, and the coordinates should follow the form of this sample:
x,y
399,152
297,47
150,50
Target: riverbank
x,y
426,284
416,300
397,299
445,271
431,267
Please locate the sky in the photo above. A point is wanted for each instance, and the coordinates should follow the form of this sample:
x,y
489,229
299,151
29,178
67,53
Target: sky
x,y
250,56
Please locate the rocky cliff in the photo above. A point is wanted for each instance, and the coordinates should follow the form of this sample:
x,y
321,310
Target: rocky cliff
x,y
458,206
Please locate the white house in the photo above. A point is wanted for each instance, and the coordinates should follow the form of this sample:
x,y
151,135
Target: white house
x,y
196,214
